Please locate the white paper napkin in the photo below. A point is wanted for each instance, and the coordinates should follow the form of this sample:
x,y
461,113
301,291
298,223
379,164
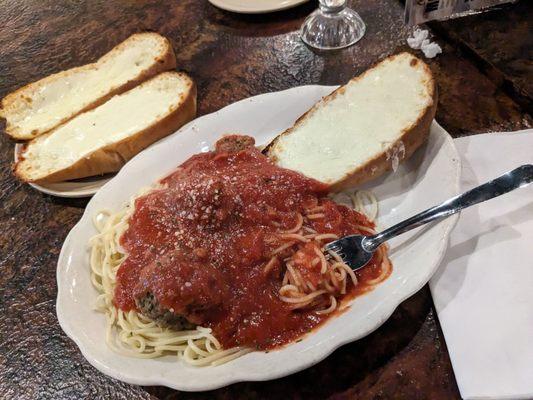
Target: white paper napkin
x,y
483,291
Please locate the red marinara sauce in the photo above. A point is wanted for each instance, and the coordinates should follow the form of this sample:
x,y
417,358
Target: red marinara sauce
x,y
200,244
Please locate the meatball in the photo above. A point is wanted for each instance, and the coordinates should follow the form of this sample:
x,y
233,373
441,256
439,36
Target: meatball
x,y
150,307
234,143
177,290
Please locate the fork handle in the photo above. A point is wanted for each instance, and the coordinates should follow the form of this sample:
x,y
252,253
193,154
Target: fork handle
x,y
512,180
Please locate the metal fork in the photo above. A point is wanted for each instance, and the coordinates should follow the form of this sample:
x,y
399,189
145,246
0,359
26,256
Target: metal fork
x,y
357,250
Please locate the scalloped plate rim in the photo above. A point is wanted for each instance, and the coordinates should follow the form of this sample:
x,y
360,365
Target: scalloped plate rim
x,y
327,347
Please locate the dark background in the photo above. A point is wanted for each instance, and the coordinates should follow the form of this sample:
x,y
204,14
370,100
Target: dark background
x,y
484,78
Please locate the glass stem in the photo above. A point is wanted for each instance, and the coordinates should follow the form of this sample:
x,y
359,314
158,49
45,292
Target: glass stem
x,y
332,6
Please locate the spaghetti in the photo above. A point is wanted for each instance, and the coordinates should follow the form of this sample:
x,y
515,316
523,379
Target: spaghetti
x,y
130,333
243,278
334,273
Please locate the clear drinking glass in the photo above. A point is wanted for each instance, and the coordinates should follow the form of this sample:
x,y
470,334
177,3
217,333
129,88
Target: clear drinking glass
x,y
332,26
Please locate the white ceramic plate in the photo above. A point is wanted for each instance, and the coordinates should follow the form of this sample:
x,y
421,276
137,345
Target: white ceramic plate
x,y
255,6
84,187
429,177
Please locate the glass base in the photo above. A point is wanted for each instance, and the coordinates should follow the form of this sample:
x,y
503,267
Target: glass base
x,y
328,31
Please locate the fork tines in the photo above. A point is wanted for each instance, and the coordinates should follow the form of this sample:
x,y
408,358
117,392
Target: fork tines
x,y
332,246
336,249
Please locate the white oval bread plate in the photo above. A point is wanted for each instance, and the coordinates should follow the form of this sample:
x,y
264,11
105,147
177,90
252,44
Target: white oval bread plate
x,y
84,187
256,6
430,176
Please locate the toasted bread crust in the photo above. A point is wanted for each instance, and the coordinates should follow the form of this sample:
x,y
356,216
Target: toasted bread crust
x,y
166,62
112,157
411,138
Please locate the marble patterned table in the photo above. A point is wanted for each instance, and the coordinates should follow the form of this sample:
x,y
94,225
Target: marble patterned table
x,y
484,80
